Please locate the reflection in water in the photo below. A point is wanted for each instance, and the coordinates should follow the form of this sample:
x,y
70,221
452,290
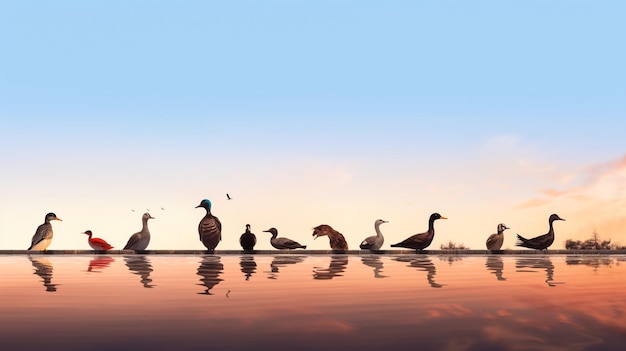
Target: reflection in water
x,y
210,269
141,266
423,264
593,262
375,262
248,265
282,261
450,259
337,266
43,268
495,266
538,263
98,263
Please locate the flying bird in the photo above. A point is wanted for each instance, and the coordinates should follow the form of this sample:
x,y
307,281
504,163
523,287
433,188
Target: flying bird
x,y
337,241
43,235
140,240
283,243
228,197
210,227
374,243
541,242
97,243
247,240
422,240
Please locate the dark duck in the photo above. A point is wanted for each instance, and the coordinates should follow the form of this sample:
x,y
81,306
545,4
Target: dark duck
x,y
247,240
541,242
422,240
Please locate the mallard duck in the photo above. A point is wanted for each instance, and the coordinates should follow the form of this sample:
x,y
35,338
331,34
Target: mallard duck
x,y
43,235
422,240
337,241
283,243
247,240
210,227
541,242
140,240
97,243
494,241
374,242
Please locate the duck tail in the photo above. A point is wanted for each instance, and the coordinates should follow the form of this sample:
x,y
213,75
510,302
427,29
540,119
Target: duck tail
x,y
521,241
396,245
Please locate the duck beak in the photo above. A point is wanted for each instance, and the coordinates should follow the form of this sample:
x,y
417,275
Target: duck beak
x,y
58,219
315,236
267,231
442,217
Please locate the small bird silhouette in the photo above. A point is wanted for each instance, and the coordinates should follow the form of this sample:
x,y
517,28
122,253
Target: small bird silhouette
x,y
228,197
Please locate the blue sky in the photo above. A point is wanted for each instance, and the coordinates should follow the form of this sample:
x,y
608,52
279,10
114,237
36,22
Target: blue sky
x,y
336,112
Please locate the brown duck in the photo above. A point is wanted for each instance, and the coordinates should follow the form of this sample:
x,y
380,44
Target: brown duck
x,y
337,241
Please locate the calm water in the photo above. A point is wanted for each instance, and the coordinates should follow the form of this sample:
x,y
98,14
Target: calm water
x,y
329,302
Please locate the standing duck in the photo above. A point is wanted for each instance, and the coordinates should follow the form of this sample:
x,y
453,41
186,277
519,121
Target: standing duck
x,y
374,242
97,243
210,227
494,241
422,240
140,240
283,243
541,242
337,241
43,235
247,240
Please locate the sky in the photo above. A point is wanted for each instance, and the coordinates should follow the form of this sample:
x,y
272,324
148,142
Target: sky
x,y
310,112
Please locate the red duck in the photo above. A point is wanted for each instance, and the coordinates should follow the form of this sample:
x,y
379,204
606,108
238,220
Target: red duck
x,y
97,243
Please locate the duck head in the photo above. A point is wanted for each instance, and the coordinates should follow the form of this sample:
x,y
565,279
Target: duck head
x,y
435,216
555,217
379,222
146,216
272,230
502,227
88,232
52,217
322,230
206,204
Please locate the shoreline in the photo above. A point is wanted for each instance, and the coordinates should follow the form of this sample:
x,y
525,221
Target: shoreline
x,y
320,252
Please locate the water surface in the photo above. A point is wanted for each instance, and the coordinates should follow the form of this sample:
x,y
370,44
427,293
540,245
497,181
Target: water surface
x,y
330,302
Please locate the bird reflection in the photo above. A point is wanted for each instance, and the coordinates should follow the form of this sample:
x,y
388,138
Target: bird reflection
x,y
337,266
594,262
532,264
43,268
495,265
423,264
99,263
375,262
141,266
210,269
248,266
282,261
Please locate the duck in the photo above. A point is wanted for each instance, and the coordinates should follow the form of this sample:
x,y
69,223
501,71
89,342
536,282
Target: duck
x,y
337,241
209,228
283,243
247,240
494,241
374,242
422,240
541,242
97,243
43,235
140,240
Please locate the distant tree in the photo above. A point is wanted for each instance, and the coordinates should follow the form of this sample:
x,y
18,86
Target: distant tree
x,y
453,246
593,243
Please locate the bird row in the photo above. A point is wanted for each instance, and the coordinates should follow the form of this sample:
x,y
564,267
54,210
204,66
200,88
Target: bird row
x,y
210,234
